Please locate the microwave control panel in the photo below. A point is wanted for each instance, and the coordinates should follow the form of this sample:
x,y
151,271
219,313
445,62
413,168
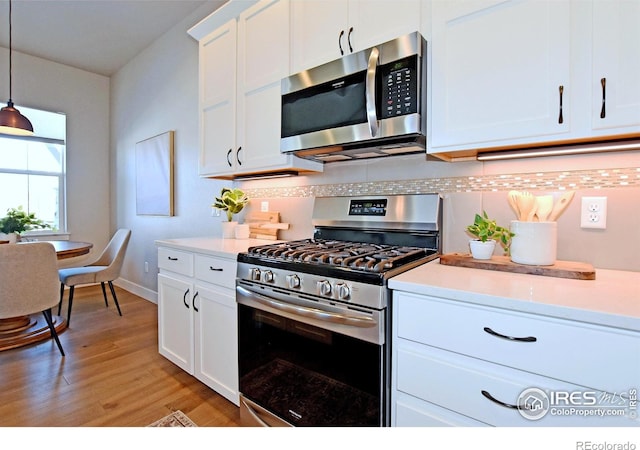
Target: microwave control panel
x,y
398,83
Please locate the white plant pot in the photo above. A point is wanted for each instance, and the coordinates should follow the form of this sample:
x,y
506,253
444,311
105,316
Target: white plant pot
x,y
229,230
482,250
11,237
242,231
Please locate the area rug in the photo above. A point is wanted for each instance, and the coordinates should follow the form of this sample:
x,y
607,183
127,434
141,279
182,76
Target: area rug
x,y
175,419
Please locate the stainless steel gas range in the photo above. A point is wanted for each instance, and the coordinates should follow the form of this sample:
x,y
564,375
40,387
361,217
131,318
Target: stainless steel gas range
x,y
314,314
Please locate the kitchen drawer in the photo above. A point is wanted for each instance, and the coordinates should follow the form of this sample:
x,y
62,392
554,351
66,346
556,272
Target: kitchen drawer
x,y
456,382
176,261
593,356
218,271
412,412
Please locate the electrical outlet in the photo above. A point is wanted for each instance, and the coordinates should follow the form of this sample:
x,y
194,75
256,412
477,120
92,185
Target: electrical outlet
x,y
146,267
593,213
264,206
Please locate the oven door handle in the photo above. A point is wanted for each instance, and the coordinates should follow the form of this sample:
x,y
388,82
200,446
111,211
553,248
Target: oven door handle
x,y
312,313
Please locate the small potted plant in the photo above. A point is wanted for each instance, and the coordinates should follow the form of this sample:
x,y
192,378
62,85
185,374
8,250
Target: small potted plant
x,y
17,221
487,232
231,201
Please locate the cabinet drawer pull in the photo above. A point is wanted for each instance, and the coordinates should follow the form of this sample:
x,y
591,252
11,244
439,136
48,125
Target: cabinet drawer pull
x,y
215,269
340,42
171,258
495,400
603,83
510,338
184,298
349,40
193,302
238,155
561,91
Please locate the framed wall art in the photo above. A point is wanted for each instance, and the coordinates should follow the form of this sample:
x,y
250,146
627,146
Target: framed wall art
x,y
154,175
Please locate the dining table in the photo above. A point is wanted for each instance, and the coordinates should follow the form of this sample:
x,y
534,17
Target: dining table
x,y
24,330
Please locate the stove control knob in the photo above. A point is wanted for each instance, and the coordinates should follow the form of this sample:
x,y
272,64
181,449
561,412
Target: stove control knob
x,y
267,276
254,274
293,281
343,291
324,287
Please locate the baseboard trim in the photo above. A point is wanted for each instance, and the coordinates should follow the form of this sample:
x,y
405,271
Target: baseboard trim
x,y
138,290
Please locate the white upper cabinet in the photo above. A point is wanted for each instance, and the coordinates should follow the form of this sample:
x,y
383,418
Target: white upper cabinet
x,y
499,72
241,66
616,65
326,30
516,73
218,100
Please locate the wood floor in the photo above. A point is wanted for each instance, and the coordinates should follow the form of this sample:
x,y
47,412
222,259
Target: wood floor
x,y
112,375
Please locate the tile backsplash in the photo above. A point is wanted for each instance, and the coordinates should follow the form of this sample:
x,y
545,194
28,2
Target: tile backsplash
x,y
539,181
470,188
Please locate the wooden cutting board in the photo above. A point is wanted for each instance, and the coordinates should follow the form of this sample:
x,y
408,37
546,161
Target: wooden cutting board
x,y
561,269
265,225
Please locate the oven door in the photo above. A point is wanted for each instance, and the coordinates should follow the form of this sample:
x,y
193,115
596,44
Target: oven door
x,y
303,363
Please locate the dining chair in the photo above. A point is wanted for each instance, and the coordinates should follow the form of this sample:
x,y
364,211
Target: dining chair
x,y
104,270
29,282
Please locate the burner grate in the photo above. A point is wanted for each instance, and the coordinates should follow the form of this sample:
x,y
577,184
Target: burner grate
x,y
367,257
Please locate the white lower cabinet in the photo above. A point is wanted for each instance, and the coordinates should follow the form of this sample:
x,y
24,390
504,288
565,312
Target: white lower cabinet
x,y
461,364
197,317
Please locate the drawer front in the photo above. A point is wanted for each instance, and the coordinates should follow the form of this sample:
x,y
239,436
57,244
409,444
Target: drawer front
x,y
218,271
175,261
597,357
457,383
412,412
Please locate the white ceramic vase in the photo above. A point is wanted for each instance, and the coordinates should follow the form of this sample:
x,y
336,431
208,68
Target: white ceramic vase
x,y
228,229
482,250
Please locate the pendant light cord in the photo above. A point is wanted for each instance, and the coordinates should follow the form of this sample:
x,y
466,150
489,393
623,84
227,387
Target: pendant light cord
x,y
10,59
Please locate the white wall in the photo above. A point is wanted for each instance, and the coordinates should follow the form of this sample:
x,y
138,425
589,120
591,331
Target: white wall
x,y
154,93
84,98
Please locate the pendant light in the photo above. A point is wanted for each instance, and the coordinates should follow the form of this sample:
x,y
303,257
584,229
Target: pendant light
x,y
11,121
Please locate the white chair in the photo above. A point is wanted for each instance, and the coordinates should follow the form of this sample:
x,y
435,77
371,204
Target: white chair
x,y
104,270
29,282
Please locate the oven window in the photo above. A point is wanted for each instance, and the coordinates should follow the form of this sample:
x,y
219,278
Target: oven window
x,y
306,375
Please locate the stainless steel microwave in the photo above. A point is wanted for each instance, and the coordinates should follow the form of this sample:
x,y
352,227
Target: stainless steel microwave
x,y
366,104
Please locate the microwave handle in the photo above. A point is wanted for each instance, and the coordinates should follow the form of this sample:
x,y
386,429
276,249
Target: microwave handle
x,y
370,91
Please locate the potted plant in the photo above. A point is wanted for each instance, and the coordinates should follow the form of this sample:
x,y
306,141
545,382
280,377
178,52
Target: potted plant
x,y
231,201
487,232
17,221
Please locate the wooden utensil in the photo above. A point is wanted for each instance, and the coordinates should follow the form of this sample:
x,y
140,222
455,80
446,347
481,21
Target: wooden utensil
x,y
526,206
561,205
545,205
512,198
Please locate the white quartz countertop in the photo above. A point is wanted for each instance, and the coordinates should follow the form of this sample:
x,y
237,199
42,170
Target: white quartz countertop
x,y
224,248
612,299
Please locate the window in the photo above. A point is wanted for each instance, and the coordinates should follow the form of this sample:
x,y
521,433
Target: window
x,y
32,169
